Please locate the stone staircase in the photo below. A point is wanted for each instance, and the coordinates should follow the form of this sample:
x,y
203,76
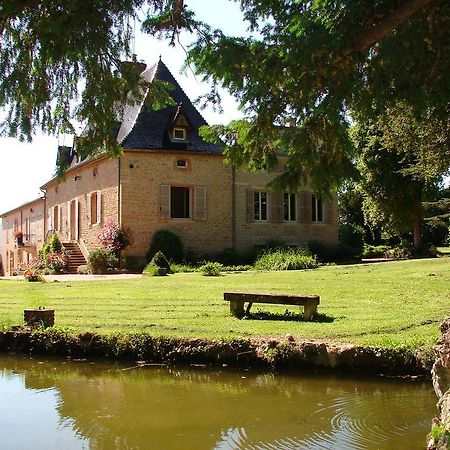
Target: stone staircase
x,y
76,258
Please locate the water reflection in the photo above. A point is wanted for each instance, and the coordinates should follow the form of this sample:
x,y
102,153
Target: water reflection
x,y
70,405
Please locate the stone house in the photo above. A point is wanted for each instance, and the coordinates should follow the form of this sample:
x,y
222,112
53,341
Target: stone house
x,y
29,220
169,178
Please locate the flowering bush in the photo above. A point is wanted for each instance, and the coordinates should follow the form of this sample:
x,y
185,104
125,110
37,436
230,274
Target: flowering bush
x,y
114,237
56,262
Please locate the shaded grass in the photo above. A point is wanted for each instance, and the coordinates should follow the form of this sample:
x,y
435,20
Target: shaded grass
x,y
395,304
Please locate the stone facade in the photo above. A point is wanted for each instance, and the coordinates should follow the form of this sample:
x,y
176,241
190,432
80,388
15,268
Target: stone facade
x,y
78,206
130,190
29,219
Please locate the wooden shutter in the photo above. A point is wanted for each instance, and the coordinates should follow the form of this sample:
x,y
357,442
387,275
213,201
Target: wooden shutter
x,y
164,201
304,206
99,207
77,220
69,233
59,217
50,219
276,206
89,210
200,202
250,205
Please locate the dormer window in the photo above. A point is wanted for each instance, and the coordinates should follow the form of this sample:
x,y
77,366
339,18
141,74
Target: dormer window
x,y
179,134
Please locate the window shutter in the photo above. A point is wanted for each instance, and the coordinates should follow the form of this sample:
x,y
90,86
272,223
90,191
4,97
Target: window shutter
x,y
200,202
250,205
59,218
275,204
89,211
69,224
50,219
77,220
99,207
304,206
164,201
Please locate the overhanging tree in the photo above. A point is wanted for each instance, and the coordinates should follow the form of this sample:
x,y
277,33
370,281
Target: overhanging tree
x,y
314,65
317,64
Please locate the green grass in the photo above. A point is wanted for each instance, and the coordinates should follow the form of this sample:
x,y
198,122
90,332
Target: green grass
x,y
395,304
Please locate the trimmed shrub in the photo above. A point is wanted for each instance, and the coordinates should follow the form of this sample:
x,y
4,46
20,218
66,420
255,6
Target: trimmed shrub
x,y
168,243
54,244
210,269
100,260
286,259
160,261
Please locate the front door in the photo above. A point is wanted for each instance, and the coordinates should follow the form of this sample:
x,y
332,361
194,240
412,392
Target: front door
x,y
74,222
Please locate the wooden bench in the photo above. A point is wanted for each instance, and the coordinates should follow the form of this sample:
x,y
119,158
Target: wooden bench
x,y
237,300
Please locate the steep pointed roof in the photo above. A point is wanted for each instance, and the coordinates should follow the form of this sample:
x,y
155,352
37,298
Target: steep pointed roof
x,y
145,129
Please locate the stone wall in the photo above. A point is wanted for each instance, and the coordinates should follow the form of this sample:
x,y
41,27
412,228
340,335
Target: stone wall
x,y
250,232
75,191
440,435
142,177
29,219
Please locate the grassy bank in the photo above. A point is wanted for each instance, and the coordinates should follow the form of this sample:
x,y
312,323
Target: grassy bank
x,y
395,304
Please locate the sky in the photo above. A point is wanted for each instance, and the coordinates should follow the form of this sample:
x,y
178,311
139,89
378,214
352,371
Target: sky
x,y
24,167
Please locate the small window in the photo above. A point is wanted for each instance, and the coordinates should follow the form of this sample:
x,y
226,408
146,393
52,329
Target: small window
x,y
181,163
260,205
179,134
290,202
317,209
179,202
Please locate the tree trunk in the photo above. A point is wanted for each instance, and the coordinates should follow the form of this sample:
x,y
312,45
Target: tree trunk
x,y
417,231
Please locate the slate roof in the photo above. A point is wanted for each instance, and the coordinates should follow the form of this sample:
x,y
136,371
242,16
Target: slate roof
x,y
147,130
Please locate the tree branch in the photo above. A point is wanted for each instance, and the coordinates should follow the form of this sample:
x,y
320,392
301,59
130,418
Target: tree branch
x,y
374,31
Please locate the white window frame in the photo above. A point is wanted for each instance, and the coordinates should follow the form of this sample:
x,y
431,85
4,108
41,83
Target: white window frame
x,y
182,166
257,212
289,209
183,130
317,204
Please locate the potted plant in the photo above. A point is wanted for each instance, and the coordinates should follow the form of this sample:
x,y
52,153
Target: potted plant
x,y
18,236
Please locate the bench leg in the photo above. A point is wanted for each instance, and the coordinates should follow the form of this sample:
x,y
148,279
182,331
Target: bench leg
x,y
237,307
310,310
247,310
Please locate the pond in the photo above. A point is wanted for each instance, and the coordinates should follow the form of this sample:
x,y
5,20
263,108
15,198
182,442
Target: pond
x,y
52,404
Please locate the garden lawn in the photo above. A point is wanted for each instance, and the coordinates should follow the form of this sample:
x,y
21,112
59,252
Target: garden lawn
x,y
391,304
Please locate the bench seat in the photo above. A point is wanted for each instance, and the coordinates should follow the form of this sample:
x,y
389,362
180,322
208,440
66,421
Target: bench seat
x,y
237,300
